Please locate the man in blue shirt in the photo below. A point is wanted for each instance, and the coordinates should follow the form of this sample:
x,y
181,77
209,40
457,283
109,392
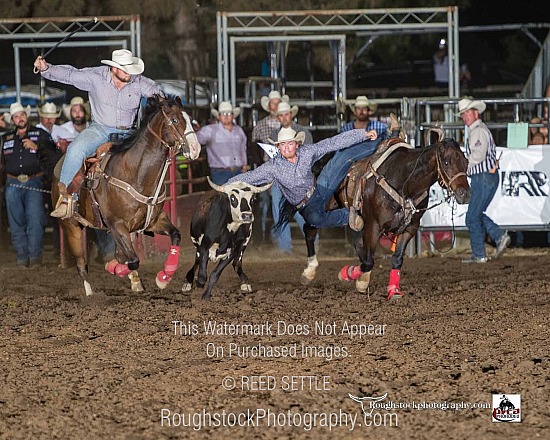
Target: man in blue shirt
x,y
363,109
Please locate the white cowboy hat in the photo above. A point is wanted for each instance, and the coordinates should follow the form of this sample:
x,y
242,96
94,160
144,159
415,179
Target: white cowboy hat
x,y
467,104
226,107
124,60
16,107
48,110
284,107
77,100
363,101
274,94
287,135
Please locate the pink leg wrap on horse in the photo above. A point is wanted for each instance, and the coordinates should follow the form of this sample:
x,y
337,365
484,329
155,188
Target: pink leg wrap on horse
x,y
170,265
350,273
393,286
115,268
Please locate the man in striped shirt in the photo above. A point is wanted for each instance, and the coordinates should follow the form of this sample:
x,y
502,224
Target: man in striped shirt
x,y
363,109
483,172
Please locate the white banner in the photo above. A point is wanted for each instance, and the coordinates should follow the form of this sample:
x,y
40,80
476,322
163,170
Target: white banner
x,y
521,198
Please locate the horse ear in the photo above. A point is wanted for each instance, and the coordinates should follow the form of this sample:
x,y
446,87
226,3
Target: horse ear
x,y
178,100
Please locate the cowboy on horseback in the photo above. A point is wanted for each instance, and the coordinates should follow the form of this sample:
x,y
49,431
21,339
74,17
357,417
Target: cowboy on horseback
x,y
115,94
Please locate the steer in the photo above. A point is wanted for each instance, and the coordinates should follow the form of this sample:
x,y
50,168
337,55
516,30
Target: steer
x,y
220,230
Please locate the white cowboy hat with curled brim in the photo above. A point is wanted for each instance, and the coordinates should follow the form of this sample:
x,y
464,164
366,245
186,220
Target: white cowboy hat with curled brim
x,y
16,107
468,104
287,135
226,107
274,94
363,102
284,107
77,100
48,110
124,60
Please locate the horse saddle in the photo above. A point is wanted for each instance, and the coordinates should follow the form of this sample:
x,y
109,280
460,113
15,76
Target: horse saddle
x,y
353,185
87,178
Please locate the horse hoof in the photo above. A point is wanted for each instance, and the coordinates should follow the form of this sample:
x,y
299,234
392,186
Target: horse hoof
x,y
246,288
88,288
362,286
137,287
206,296
161,284
395,296
187,287
305,280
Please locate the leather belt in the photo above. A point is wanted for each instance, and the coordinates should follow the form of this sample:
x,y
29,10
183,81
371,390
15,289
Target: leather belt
x,y
232,169
306,198
23,178
123,128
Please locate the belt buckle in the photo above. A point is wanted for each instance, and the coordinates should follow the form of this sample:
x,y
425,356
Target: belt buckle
x,y
23,178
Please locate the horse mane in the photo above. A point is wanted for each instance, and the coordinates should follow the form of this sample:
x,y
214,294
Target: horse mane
x,y
153,105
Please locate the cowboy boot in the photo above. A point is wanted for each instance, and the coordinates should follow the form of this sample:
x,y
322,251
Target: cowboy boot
x,y
394,127
64,207
356,222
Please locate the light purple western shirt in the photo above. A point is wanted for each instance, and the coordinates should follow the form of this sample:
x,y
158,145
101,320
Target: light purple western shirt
x,y
224,148
110,106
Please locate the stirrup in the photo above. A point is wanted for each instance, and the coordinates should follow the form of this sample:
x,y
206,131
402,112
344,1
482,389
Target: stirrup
x,y
356,222
65,207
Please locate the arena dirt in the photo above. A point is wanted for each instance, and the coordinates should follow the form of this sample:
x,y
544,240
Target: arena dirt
x,y
107,366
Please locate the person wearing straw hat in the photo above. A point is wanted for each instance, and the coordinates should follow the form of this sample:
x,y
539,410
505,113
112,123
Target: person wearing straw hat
x,y
77,114
286,115
225,144
115,92
483,172
291,171
48,114
23,153
363,109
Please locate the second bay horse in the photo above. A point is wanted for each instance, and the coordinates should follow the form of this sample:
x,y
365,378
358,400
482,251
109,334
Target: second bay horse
x,y
394,196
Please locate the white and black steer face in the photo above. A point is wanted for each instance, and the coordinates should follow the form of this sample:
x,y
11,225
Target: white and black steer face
x,y
240,195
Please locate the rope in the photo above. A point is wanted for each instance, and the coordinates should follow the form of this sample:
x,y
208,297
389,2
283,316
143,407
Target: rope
x,y
15,185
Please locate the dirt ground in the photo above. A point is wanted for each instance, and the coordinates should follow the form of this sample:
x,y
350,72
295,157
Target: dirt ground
x,y
115,365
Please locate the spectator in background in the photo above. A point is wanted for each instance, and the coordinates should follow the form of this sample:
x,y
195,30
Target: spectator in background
x,y
48,114
465,78
23,151
441,65
286,115
77,114
225,144
483,172
364,110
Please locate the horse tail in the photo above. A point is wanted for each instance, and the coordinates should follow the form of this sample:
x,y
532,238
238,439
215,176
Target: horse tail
x,y
286,213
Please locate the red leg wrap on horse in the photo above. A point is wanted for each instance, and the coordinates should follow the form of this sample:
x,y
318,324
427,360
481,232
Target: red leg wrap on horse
x,y
350,273
393,286
172,261
115,268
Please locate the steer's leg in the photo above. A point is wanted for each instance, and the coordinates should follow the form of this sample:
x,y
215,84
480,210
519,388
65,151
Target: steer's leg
x,y
190,277
308,275
371,235
240,247
215,275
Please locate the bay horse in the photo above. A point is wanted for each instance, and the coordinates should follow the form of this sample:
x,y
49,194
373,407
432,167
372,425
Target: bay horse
x,y
127,193
393,196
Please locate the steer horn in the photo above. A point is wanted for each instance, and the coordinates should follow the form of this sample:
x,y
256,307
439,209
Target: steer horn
x,y
214,186
259,189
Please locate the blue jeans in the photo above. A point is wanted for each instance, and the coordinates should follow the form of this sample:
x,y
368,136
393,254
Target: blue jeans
x,y
483,187
328,181
284,238
220,177
26,218
83,147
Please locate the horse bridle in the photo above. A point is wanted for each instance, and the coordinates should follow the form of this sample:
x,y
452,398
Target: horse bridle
x,y
181,139
442,177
